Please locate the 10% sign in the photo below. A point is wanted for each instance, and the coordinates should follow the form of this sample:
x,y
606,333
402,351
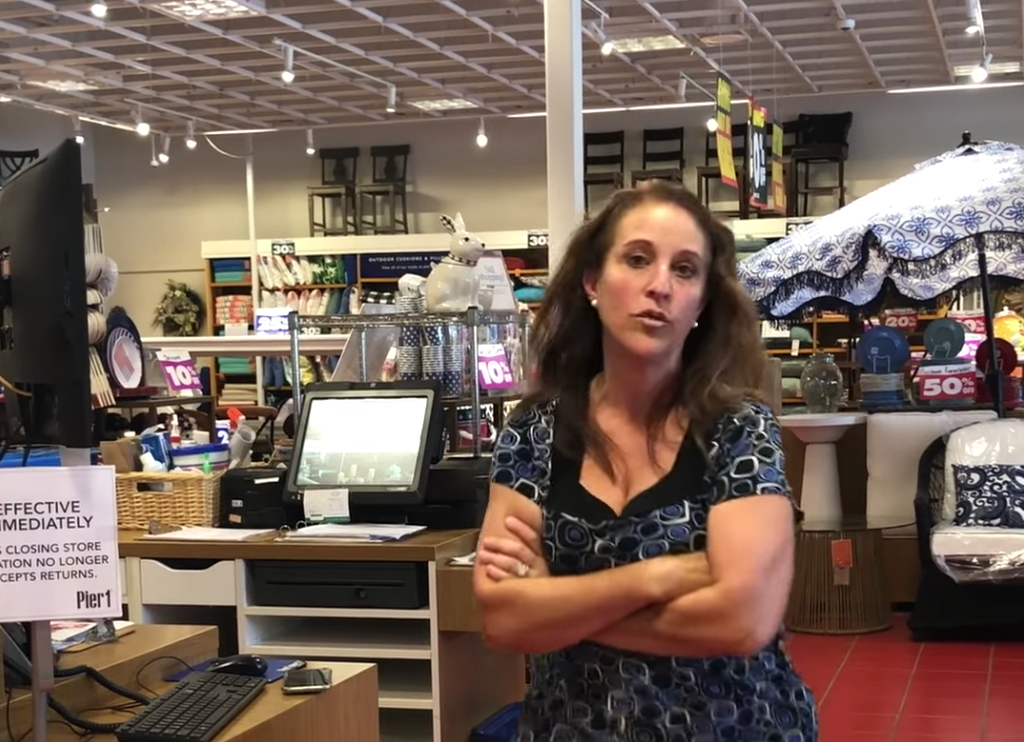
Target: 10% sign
x,y
947,383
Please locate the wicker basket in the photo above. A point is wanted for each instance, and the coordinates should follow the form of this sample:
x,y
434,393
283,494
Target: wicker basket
x,y
183,499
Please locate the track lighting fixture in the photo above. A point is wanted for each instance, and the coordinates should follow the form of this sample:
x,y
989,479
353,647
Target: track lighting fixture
x,y
310,149
980,73
77,124
392,104
190,135
712,124
141,127
165,150
288,73
975,19
98,9
153,162
481,135
681,87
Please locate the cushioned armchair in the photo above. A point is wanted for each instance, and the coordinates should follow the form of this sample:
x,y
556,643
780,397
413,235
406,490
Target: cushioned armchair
x,y
972,555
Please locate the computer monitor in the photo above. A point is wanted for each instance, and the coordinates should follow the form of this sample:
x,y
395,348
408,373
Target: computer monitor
x,y
376,440
44,346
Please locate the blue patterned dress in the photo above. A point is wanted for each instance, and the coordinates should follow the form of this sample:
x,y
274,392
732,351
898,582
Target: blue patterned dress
x,y
593,693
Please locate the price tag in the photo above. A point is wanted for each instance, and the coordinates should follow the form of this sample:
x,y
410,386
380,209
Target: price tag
x,y
842,561
956,382
282,247
904,320
492,368
272,321
179,372
537,238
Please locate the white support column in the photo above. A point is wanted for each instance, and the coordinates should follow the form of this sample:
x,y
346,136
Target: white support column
x,y
563,72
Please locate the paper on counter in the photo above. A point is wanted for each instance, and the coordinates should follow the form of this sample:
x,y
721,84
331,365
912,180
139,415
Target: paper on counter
x,y
212,534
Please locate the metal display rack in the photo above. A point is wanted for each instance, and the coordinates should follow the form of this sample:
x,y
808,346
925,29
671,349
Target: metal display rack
x,y
472,319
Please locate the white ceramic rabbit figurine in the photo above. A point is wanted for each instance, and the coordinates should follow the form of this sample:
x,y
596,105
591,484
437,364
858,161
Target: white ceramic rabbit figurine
x,y
452,285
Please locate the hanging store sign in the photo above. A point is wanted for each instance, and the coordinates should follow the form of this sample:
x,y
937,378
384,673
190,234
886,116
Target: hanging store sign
x,y
757,152
723,135
778,170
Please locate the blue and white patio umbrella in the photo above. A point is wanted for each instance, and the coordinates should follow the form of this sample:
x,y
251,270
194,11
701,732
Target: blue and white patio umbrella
x,y
956,218
913,235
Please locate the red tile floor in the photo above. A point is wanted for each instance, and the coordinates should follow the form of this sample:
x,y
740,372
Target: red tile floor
x,y
885,688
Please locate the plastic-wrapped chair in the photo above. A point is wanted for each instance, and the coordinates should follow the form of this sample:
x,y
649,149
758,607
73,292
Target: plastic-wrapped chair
x,y
943,605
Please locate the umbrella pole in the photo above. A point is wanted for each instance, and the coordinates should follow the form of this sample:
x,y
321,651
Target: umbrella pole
x,y
994,375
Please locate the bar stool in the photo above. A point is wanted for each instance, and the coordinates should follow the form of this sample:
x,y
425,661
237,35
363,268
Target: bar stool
x,y
338,183
652,153
388,182
606,165
821,139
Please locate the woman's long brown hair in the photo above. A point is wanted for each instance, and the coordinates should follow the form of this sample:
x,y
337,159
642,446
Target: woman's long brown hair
x,y
722,359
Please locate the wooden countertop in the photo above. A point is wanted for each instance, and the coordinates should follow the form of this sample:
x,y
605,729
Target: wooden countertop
x,y
345,713
426,547
141,658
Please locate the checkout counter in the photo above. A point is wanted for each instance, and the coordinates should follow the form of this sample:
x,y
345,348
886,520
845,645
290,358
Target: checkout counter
x,y
399,605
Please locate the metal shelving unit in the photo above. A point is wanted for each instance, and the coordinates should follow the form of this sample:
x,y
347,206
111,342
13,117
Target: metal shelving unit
x,y
472,320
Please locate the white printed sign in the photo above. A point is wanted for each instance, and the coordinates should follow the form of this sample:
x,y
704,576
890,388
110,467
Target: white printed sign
x,y
493,275
58,544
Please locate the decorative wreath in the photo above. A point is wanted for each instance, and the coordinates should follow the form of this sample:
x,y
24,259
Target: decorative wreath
x,y
180,312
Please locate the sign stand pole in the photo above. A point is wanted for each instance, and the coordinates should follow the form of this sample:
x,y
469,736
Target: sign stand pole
x,y
42,642
42,677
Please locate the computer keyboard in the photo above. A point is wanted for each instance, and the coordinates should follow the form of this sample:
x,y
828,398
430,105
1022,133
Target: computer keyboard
x,y
195,710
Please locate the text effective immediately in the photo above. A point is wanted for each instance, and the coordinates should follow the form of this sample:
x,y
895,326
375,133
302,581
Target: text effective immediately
x,y
45,515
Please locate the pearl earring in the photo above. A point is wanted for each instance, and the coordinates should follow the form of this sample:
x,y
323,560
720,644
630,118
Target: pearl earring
x,y
593,301
696,323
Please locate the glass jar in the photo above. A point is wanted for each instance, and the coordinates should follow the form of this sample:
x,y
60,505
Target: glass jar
x,y
821,383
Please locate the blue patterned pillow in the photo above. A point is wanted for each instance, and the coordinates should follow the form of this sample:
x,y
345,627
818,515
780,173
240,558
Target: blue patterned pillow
x,y
989,495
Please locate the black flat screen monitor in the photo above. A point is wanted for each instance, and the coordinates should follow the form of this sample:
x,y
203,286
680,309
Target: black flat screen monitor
x,y
44,346
376,441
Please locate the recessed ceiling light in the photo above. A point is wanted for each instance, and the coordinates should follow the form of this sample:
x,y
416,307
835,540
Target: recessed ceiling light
x,y
646,44
206,10
65,86
995,68
442,104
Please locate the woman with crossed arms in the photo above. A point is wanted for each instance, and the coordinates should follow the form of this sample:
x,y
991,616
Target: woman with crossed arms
x,y
638,543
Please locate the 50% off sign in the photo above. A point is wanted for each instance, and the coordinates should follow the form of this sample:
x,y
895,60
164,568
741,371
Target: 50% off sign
x,y
953,382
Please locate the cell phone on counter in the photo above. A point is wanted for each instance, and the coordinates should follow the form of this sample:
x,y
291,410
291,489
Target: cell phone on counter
x,y
306,680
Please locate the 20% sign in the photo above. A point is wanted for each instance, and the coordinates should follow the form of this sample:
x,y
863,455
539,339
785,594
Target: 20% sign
x,y
904,320
947,383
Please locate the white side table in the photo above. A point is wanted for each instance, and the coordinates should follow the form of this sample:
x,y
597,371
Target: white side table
x,y
820,494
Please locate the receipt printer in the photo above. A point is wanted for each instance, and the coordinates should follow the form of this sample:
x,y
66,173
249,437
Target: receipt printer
x,y
254,498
